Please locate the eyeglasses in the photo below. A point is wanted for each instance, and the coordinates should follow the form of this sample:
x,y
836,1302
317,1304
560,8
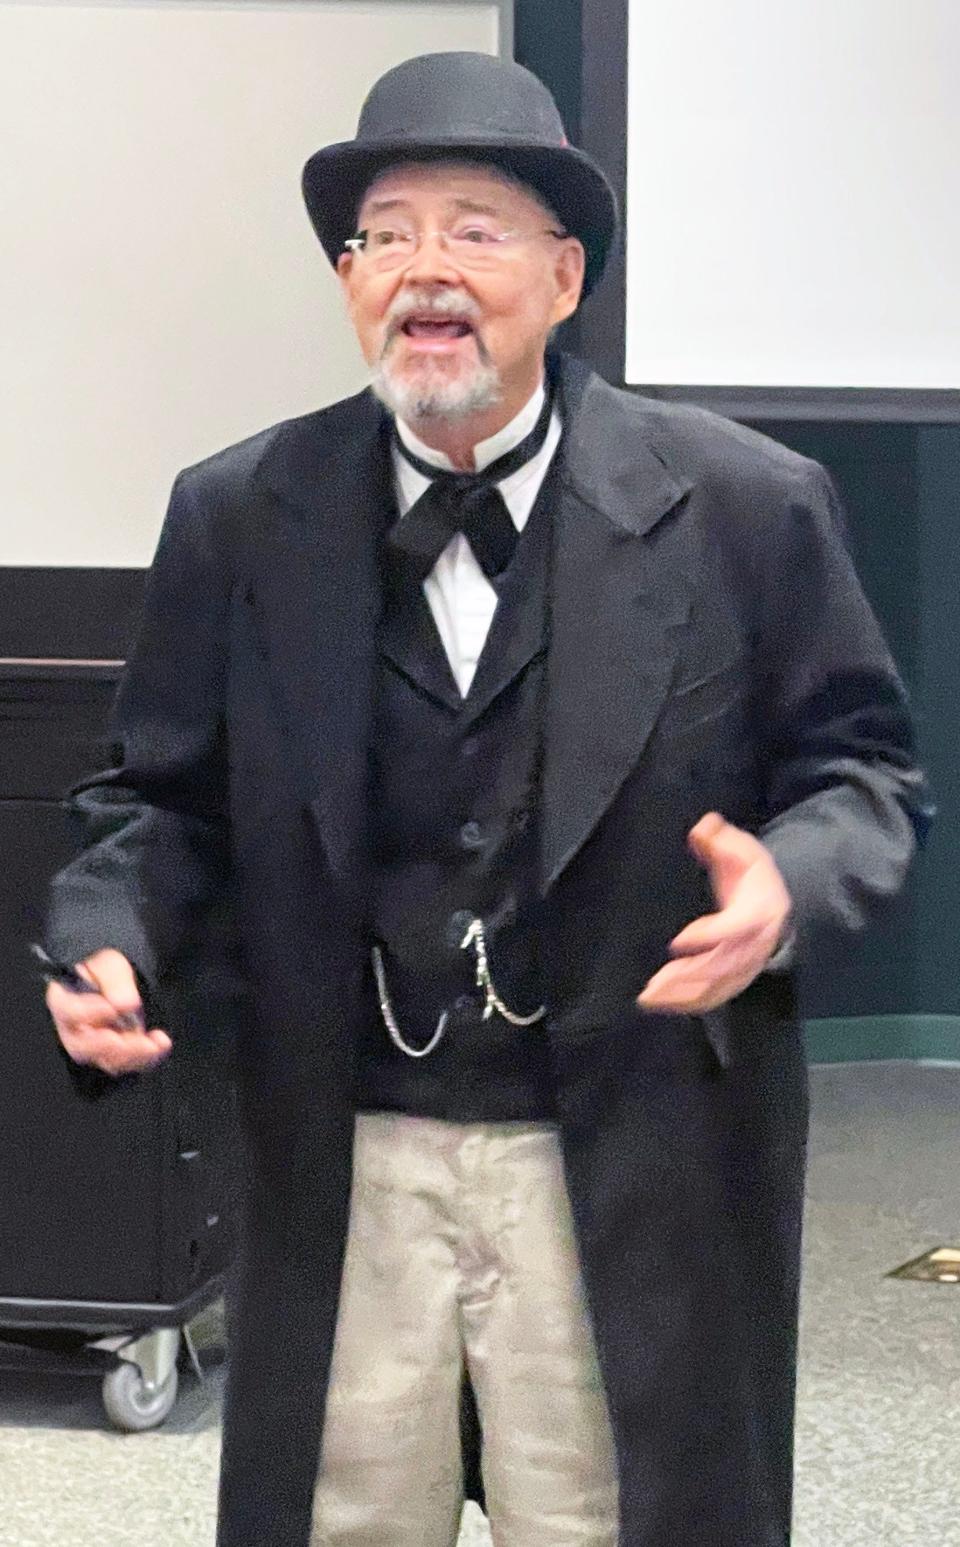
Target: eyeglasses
x,y
470,246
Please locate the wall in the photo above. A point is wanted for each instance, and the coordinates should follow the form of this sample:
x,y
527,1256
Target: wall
x,y
901,489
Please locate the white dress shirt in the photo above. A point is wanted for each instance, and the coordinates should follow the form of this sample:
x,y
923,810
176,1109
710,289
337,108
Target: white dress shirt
x,y
460,596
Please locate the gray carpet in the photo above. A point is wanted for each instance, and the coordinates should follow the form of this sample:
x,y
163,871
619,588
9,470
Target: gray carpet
x,y
879,1412
879,1416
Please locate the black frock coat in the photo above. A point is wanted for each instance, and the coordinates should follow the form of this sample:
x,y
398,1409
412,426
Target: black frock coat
x,y
711,649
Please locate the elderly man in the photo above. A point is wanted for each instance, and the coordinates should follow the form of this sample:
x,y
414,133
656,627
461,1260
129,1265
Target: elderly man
x,y
532,732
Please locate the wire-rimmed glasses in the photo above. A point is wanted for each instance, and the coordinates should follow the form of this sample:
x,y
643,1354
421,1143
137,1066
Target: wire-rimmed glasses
x,y
471,245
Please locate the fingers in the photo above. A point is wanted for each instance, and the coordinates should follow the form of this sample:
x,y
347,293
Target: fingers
x,y
117,982
676,990
709,978
117,1052
733,926
714,835
725,852
757,907
107,1029
70,1009
708,827
717,956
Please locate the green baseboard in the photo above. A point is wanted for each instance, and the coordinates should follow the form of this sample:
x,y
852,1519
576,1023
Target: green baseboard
x,y
863,1038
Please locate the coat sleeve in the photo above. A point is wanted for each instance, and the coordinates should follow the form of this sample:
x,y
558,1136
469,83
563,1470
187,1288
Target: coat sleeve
x,y
845,801
153,827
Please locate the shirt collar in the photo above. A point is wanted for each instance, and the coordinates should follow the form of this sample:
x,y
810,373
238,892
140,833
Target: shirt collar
x,y
485,451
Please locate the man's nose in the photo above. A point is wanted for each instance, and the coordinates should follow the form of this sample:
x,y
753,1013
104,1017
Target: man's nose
x,y
432,261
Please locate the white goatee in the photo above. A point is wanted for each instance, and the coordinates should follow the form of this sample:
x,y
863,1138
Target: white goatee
x,y
440,398
432,394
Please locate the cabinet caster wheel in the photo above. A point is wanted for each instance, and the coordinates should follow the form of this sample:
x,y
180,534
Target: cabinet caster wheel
x,y
130,1404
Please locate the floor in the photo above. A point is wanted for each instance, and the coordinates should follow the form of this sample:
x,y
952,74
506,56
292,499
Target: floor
x,y
879,1412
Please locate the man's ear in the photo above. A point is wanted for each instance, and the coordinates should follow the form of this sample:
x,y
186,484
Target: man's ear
x,y
571,264
344,275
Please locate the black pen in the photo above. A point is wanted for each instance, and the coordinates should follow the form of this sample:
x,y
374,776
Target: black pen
x,y
61,972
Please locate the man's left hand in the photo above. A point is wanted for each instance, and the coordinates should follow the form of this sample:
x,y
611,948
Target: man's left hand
x,y
718,956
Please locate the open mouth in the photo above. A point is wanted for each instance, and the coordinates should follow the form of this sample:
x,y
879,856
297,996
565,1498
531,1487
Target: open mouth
x,y
436,327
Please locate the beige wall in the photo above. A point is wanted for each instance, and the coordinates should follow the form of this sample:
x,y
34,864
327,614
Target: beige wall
x,y
163,293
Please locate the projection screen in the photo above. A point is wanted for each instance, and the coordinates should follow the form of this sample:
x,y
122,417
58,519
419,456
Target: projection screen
x,y
792,181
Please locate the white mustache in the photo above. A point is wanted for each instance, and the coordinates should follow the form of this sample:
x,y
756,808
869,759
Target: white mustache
x,y
426,303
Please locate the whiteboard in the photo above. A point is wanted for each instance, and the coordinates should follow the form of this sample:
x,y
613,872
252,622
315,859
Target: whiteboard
x,y
793,194
161,291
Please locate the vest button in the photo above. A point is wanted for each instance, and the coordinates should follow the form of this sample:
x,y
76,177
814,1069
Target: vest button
x,y
457,925
470,746
471,836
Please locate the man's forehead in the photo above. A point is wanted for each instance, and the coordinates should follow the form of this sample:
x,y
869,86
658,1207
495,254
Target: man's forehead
x,y
448,180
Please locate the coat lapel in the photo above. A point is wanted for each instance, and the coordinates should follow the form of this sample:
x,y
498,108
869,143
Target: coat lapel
x,y
409,638
618,611
518,631
314,586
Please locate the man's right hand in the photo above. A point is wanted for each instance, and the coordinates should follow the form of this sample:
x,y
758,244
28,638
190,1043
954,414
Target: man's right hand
x,y
106,1028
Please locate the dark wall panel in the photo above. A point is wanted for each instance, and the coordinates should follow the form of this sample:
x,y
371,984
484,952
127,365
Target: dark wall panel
x,y
71,613
937,517
875,469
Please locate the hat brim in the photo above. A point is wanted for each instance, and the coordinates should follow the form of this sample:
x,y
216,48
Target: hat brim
x,y
336,178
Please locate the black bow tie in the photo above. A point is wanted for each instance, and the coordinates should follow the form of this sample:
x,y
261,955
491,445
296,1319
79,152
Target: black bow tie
x,y
469,503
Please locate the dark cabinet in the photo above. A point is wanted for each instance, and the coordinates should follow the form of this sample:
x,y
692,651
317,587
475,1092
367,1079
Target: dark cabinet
x,y
117,1212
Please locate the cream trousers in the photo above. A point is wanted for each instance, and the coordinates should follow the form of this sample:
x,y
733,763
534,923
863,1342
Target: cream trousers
x,y
461,1252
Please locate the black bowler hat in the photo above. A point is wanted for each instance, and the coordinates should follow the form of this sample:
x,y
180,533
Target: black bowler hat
x,y
472,107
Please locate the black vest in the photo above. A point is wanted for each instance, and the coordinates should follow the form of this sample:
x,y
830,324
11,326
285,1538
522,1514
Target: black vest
x,y
454,798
